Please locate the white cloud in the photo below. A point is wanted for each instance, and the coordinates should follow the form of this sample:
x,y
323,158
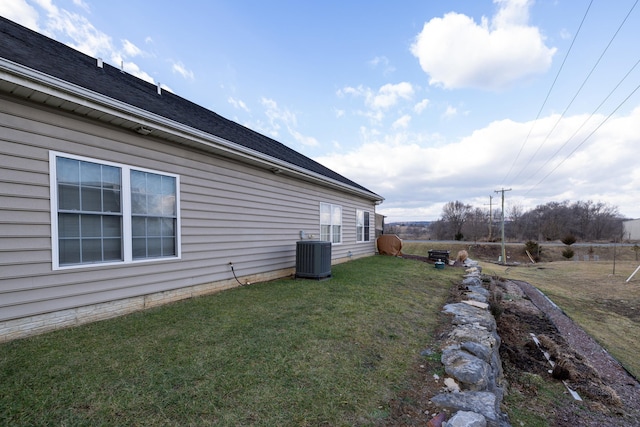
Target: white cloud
x,y
402,122
130,49
380,101
308,141
457,52
417,174
450,112
239,104
281,116
382,62
389,94
21,12
82,5
178,67
420,106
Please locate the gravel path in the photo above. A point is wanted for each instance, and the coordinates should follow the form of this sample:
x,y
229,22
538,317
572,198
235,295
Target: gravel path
x,y
627,387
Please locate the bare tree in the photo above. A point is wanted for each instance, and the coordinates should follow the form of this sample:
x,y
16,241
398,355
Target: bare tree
x,y
454,214
475,225
438,230
516,227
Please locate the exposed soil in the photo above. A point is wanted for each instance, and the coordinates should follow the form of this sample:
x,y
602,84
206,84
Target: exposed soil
x,y
610,396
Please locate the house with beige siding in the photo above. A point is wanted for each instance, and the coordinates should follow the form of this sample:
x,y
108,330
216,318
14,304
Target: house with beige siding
x,y
117,195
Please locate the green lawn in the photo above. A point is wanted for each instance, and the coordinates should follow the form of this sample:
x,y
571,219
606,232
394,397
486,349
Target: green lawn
x,y
287,352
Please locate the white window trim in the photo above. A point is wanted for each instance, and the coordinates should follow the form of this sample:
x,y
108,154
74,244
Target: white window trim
x,y
359,238
126,213
331,206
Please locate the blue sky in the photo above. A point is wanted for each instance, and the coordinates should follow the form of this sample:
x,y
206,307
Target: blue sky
x,y
423,102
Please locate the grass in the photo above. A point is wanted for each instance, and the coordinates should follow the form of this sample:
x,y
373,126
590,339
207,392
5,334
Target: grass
x,y
287,352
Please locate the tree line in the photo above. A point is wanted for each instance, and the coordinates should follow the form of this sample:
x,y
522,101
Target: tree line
x,y
586,221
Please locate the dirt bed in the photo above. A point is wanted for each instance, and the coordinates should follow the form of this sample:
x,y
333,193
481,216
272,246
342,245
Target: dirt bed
x,y
610,395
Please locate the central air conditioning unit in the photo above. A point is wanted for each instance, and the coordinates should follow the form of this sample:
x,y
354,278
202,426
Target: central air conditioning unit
x,y
313,259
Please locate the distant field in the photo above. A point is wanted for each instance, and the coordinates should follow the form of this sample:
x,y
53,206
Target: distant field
x,y
603,303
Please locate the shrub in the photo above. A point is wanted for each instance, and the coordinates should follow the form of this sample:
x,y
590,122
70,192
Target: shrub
x,y
569,239
568,253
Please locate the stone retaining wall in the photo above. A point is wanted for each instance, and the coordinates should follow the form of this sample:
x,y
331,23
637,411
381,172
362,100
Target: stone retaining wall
x,y
471,359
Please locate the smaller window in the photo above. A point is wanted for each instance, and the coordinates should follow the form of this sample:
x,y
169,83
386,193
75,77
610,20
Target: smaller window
x,y
330,223
362,226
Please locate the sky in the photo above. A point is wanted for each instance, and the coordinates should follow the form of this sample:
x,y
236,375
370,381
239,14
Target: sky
x,y
422,102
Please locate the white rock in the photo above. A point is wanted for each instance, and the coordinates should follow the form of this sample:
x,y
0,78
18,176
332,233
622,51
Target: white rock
x,y
452,385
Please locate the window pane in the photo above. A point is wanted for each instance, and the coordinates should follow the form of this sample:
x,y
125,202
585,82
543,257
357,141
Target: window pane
x,y
154,247
153,227
91,199
168,185
138,203
168,196
168,227
68,225
138,182
90,174
169,205
111,226
154,204
154,183
336,215
139,246
112,249
111,177
68,171
138,226
91,250
111,200
91,226
69,251
336,234
168,246
325,233
325,214
68,197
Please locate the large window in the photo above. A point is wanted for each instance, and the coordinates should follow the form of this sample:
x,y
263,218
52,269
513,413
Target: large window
x,y
106,212
153,211
330,223
362,226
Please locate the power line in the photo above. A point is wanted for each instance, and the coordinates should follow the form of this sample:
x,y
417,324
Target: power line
x,y
585,139
577,92
584,122
548,93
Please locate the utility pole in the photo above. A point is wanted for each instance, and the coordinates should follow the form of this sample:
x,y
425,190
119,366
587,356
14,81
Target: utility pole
x,y
504,254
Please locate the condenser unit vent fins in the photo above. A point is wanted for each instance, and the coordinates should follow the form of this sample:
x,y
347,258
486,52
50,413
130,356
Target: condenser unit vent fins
x,y
313,259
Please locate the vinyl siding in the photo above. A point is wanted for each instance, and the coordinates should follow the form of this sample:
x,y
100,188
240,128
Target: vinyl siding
x,y
229,212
